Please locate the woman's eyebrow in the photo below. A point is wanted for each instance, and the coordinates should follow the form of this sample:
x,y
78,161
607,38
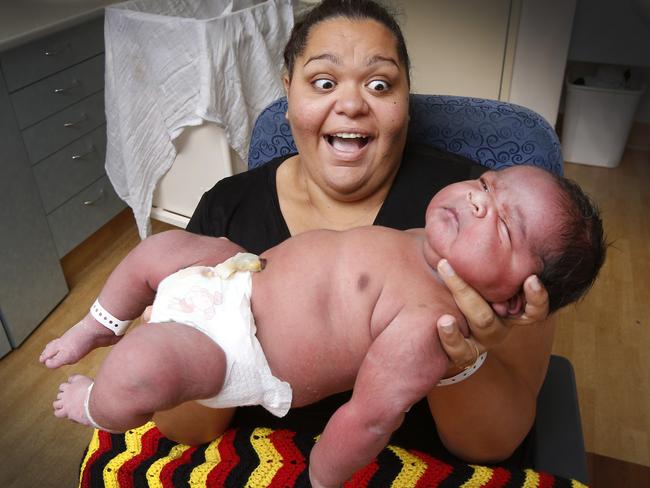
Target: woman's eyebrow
x,y
381,59
325,56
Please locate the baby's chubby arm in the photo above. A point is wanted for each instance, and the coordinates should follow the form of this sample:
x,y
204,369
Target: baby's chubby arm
x,y
401,366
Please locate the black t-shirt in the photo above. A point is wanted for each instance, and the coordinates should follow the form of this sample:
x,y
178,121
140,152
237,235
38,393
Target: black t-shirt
x,y
245,208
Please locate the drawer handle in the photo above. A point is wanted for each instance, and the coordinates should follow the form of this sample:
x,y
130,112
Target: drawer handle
x,y
74,84
83,155
89,203
75,122
57,51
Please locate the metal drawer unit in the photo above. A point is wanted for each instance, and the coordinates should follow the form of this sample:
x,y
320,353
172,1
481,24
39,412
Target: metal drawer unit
x,y
34,61
80,216
31,279
55,192
57,94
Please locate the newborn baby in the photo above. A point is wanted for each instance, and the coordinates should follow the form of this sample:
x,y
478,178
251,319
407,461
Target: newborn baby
x,y
323,312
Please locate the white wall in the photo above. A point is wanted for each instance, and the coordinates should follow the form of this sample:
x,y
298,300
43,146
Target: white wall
x,y
540,56
456,48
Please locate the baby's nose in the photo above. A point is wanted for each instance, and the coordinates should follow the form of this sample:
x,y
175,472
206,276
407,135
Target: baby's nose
x,y
478,202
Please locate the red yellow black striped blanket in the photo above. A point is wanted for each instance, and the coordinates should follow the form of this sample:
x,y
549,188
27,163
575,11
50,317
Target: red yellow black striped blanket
x,y
261,457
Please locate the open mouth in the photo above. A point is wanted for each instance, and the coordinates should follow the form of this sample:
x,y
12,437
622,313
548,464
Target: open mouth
x,y
347,141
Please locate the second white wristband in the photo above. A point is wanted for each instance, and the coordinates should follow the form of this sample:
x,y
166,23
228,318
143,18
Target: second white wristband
x,y
466,373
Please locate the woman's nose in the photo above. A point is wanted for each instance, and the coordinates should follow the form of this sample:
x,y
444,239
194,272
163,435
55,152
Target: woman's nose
x,y
351,102
478,202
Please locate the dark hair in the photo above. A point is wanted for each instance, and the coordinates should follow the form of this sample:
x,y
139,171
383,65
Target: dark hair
x,y
351,9
570,270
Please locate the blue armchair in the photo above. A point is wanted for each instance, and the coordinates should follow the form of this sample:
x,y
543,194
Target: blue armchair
x,y
494,134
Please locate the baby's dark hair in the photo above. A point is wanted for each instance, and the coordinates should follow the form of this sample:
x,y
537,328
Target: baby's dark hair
x,y
350,9
571,268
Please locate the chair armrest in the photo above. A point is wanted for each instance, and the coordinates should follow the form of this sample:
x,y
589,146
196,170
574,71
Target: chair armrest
x,y
558,445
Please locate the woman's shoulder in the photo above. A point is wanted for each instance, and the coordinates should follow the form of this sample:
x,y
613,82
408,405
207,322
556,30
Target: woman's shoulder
x,y
246,182
246,187
238,204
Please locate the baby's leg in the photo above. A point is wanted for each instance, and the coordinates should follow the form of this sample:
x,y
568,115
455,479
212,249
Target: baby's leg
x,y
79,340
153,368
131,288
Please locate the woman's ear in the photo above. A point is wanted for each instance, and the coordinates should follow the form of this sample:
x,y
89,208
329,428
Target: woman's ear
x,y
286,82
513,307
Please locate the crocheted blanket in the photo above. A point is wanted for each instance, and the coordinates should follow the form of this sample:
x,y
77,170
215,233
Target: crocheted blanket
x,y
261,457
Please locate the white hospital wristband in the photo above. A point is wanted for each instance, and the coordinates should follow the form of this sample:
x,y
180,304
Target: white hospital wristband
x,y
105,318
466,373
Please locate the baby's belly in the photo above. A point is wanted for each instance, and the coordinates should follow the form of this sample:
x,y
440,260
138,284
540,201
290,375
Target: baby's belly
x,y
314,346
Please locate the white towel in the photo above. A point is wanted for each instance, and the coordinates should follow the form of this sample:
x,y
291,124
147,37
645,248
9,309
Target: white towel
x,y
171,64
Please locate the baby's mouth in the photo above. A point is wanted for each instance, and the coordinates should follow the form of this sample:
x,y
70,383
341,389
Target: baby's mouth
x,y
347,141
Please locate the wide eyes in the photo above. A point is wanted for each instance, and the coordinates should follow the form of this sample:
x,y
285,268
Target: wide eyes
x,y
378,85
324,84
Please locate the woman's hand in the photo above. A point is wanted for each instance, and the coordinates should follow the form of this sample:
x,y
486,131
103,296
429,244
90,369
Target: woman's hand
x,y
487,328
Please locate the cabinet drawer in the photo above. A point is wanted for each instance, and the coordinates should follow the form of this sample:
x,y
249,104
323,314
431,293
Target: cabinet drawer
x,y
70,170
43,57
62,128
61,90
82,215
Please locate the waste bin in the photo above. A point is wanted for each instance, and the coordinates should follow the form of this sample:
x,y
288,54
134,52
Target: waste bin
x,y
597,122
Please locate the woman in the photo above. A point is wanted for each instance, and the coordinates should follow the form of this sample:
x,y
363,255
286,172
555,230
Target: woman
x,y
347,84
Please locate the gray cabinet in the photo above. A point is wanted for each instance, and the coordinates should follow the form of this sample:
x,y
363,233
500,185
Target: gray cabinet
x,y
53,188
31,280
5,346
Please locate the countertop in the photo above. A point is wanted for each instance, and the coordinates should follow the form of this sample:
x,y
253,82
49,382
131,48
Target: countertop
x,y
25,20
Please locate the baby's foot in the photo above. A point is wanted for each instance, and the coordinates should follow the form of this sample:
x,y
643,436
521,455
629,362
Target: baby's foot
x,y
69,402
78,341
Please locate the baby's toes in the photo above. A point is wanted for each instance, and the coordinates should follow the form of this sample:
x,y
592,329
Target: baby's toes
x,y
59,407
50,350
54,361
78,377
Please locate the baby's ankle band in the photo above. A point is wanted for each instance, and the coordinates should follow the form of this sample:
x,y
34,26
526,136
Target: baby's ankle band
x,y
87,412
105,318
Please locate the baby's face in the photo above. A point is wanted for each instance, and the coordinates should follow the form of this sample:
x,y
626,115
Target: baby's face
x,y
493,229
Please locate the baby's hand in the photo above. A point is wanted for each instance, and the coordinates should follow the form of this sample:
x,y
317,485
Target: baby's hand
x,y
78,341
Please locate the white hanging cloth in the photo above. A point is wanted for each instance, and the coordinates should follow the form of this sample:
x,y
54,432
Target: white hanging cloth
x,y
172,64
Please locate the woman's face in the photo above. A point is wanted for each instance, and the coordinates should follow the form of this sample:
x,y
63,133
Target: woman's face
x,y
348,107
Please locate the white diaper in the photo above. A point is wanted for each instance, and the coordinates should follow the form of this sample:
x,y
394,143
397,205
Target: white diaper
x,y
221,309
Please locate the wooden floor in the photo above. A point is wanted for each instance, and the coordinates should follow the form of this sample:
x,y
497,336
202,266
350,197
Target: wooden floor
x,y
607,338
38,450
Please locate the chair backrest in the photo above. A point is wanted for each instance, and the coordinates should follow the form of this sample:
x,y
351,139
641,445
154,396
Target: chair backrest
x,y
492,133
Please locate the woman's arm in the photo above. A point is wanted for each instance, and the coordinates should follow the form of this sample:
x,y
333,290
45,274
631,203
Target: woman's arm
x,y
485,417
